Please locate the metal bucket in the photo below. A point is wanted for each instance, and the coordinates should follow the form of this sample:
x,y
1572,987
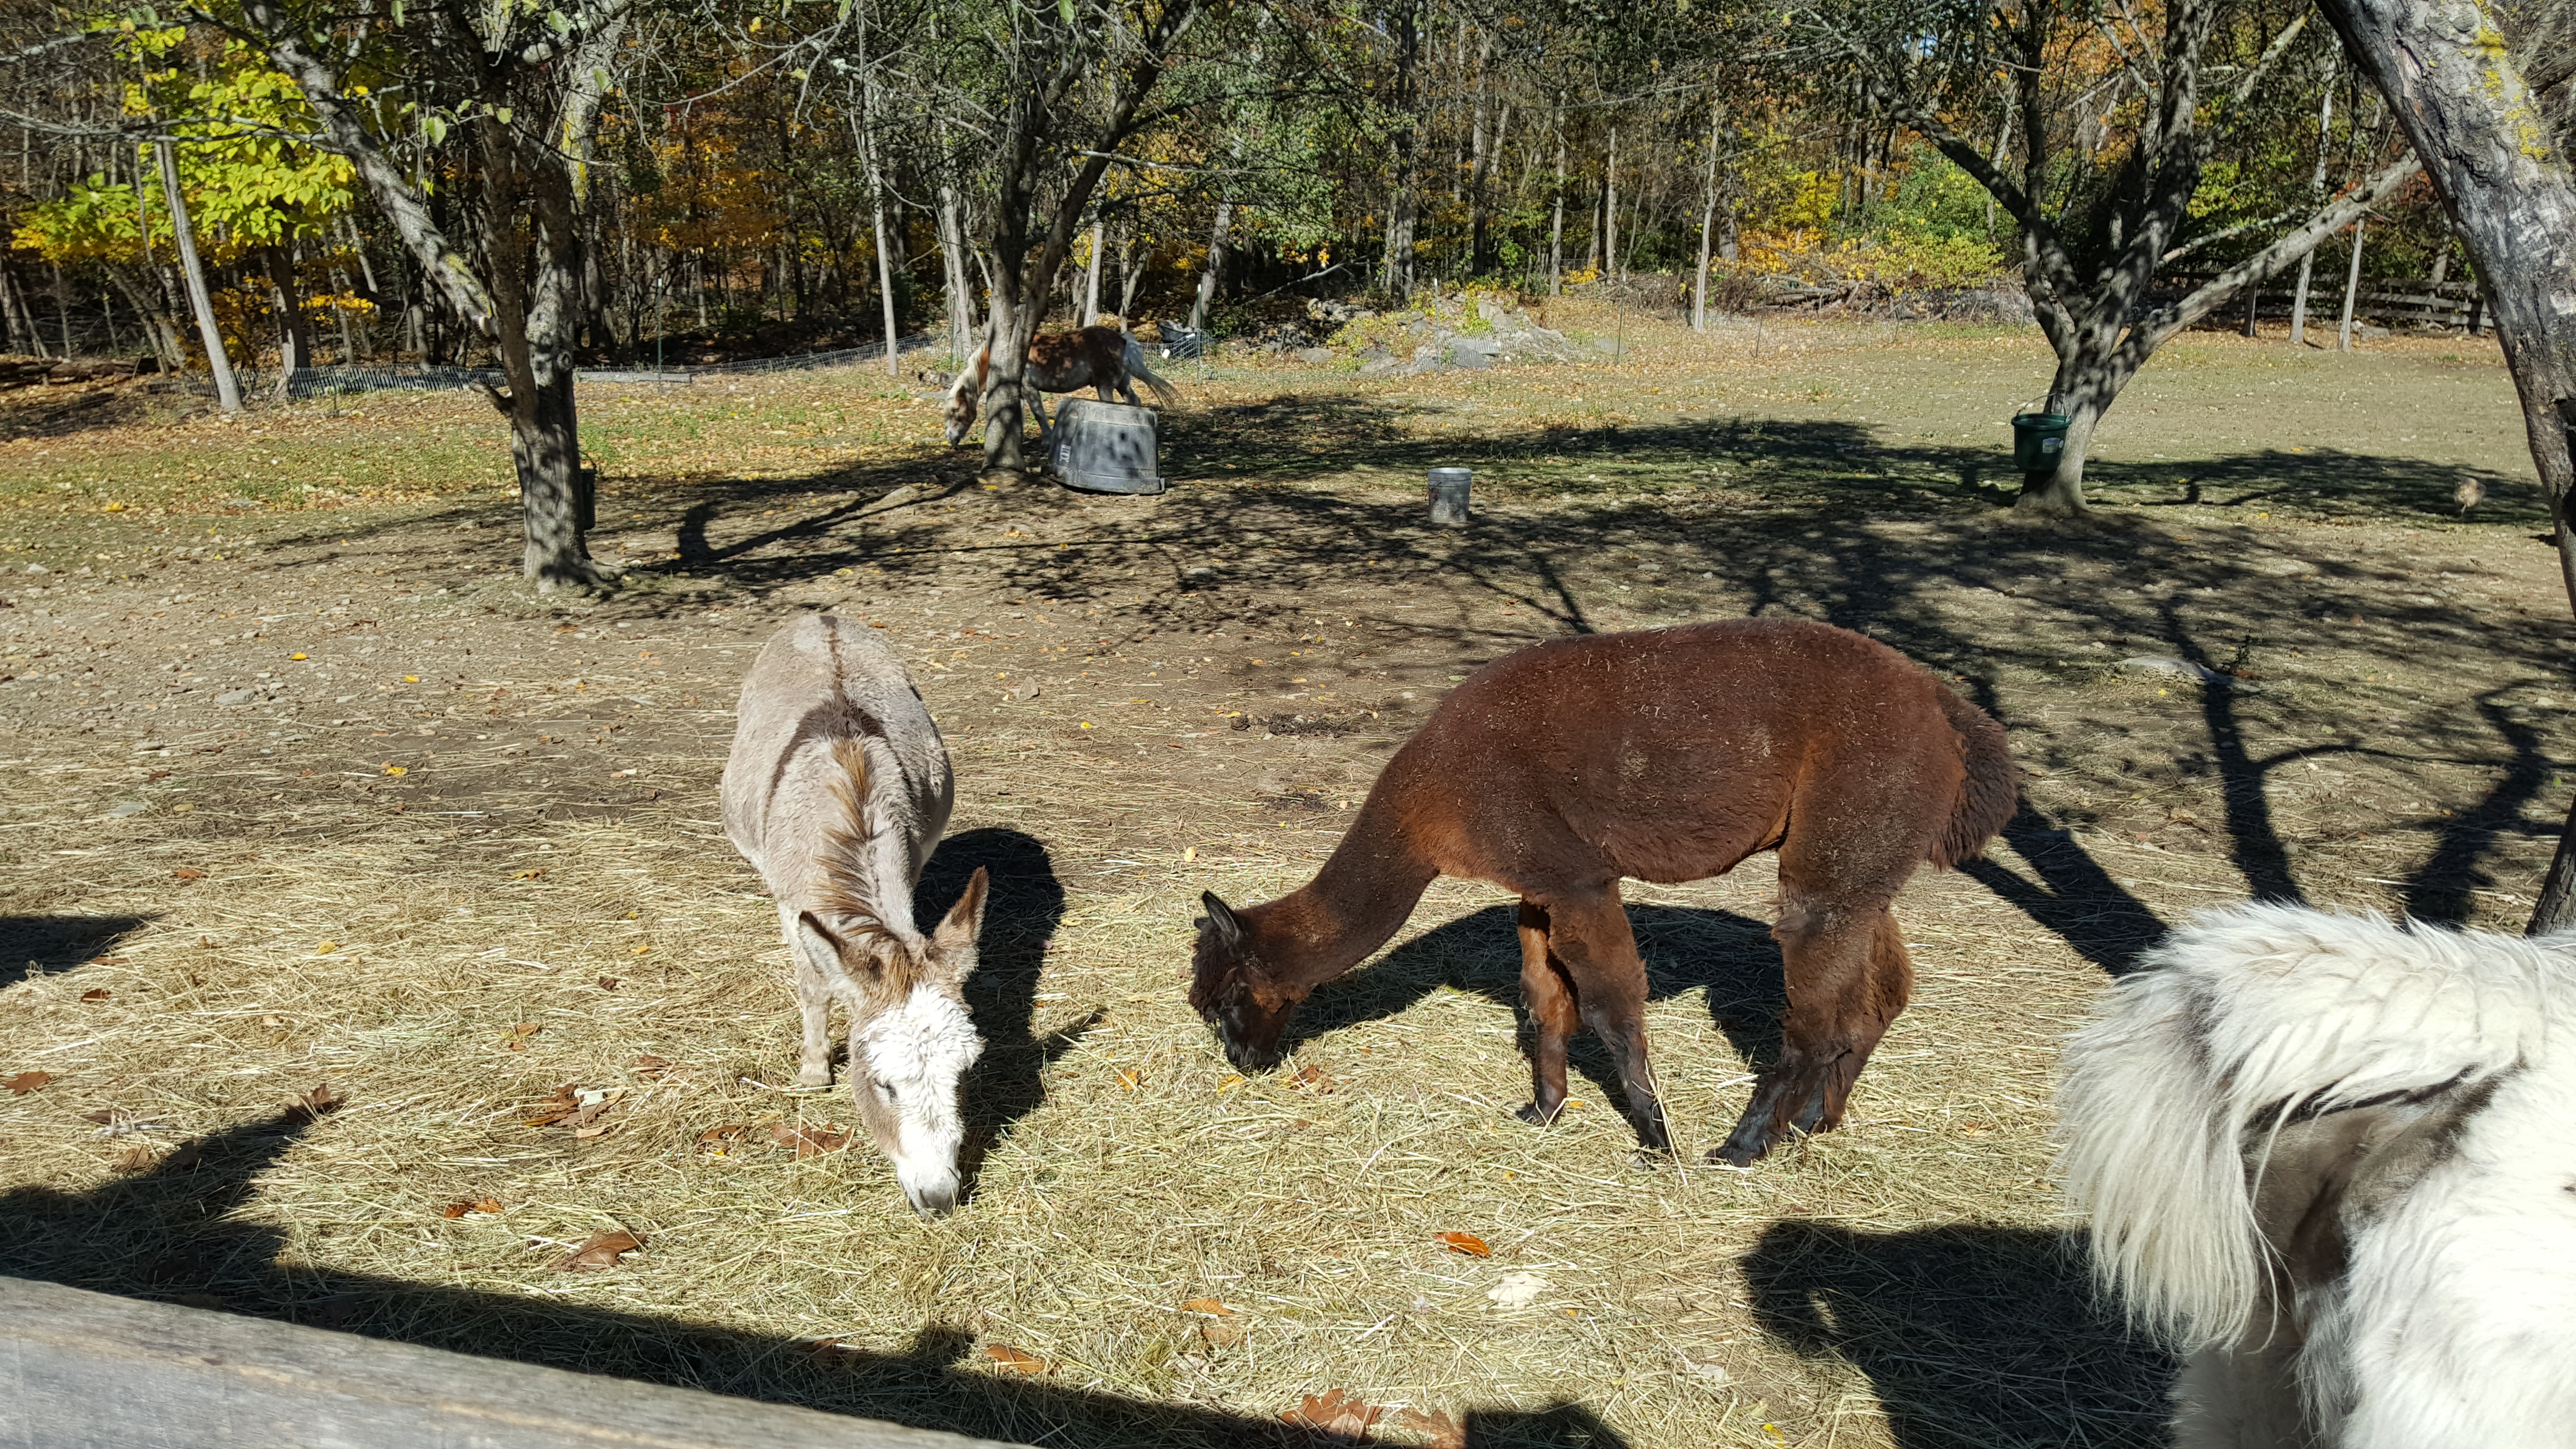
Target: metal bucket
x,y
1107,447
1449,496
2037,440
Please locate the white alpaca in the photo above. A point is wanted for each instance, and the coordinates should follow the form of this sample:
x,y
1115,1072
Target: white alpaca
x,y
836,792
2332,1157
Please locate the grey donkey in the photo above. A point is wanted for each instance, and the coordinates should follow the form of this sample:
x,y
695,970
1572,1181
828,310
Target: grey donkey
x,y
836,791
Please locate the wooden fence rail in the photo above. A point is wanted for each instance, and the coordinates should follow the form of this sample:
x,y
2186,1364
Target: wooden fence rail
x,y
81,1370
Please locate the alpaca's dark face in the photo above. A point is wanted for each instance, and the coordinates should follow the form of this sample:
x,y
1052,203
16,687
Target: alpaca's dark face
x,y
1228,991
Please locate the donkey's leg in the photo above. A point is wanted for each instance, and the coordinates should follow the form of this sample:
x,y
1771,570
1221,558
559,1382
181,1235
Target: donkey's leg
x,y
1848,977
1589,934
814,1003
1549,999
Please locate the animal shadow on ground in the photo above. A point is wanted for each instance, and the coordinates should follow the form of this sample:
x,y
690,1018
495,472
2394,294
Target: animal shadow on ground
x,y
1970,1335
41,945
1732,957
189,1230
1025,904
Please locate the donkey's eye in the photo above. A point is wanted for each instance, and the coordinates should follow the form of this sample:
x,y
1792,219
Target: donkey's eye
x,y
885,1090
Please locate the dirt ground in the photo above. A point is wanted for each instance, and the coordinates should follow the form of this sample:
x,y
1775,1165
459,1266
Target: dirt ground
x,y
306,791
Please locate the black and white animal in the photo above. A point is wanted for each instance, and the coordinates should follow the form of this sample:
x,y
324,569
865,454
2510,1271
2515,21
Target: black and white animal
x,y
836,791
2333,1157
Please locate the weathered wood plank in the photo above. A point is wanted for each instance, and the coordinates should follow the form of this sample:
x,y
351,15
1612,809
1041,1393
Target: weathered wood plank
x,y
81,1370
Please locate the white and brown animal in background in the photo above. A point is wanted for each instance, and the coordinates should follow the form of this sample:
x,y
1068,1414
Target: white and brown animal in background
x,y
1103,359
836,791
2332,1156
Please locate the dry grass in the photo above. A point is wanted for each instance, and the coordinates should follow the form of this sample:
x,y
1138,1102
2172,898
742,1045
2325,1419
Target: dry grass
x,y
1906,1281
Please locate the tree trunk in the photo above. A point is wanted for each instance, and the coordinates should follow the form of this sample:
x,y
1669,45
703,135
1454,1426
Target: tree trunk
x,y
1707,220
1091,277
2307,264
961,291
1610,212
1215,265
1402,206
2510,191
1556,222
294,338
227,391
2351,292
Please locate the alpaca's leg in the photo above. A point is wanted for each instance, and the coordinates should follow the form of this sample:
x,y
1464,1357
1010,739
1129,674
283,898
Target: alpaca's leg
x,y
1589,934
814,1004
1848,977
1549,999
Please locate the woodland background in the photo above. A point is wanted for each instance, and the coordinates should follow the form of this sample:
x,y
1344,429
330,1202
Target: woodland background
x,y
764,178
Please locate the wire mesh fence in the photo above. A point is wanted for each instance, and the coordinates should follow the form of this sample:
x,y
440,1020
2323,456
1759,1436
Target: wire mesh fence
x,y
344,378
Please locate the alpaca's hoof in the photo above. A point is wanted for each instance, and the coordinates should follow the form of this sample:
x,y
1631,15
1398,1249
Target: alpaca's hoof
x,y
1530,1112
815,1076
1739,1158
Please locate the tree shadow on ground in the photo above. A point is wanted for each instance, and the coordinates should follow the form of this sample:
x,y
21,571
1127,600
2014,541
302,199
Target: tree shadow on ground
x,y
1730,957
1023,907
1971,1336
186,1231
1811,519
42,945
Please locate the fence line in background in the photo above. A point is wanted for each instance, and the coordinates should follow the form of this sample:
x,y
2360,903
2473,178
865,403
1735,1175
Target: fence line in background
x,y
312,382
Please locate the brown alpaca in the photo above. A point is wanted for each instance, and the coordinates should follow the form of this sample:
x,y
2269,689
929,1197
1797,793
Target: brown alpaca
x,y
1667,755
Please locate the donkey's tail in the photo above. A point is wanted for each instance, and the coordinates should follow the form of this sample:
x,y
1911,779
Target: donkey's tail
x,y
2250,1018
1164,392
1989,795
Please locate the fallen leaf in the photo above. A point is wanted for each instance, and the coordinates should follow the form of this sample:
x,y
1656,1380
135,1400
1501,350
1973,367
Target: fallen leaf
x,y
137,1158
1336,1413
1445,1432
1207,1305
95,993
517,1040
717,1139
1311,1077
394,769
25,1082
188,873
653,1066
326,948
478,1205
1467,1243
314,1105
1517,1290
1016,1361
809,1141
602,1251
608,983
1217,1333
529,874
1127,1077
564,1103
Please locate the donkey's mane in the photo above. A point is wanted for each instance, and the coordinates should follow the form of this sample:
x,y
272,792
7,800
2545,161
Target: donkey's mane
x,y
851,889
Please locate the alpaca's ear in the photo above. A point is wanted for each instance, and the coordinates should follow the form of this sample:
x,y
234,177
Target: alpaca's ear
x,y
966,918
1221,922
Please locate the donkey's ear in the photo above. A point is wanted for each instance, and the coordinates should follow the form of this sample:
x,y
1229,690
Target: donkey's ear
x,y
822,948
1221,921
966,918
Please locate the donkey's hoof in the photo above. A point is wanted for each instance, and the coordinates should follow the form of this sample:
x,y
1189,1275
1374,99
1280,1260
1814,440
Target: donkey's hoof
x,y
1530,1112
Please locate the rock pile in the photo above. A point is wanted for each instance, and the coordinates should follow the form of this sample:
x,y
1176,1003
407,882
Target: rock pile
x,y
1461,330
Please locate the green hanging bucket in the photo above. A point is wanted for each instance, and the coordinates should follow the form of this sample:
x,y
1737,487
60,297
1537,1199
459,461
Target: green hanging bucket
x,y
2037,440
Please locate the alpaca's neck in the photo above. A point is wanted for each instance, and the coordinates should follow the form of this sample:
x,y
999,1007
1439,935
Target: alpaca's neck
x,y
1359,899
